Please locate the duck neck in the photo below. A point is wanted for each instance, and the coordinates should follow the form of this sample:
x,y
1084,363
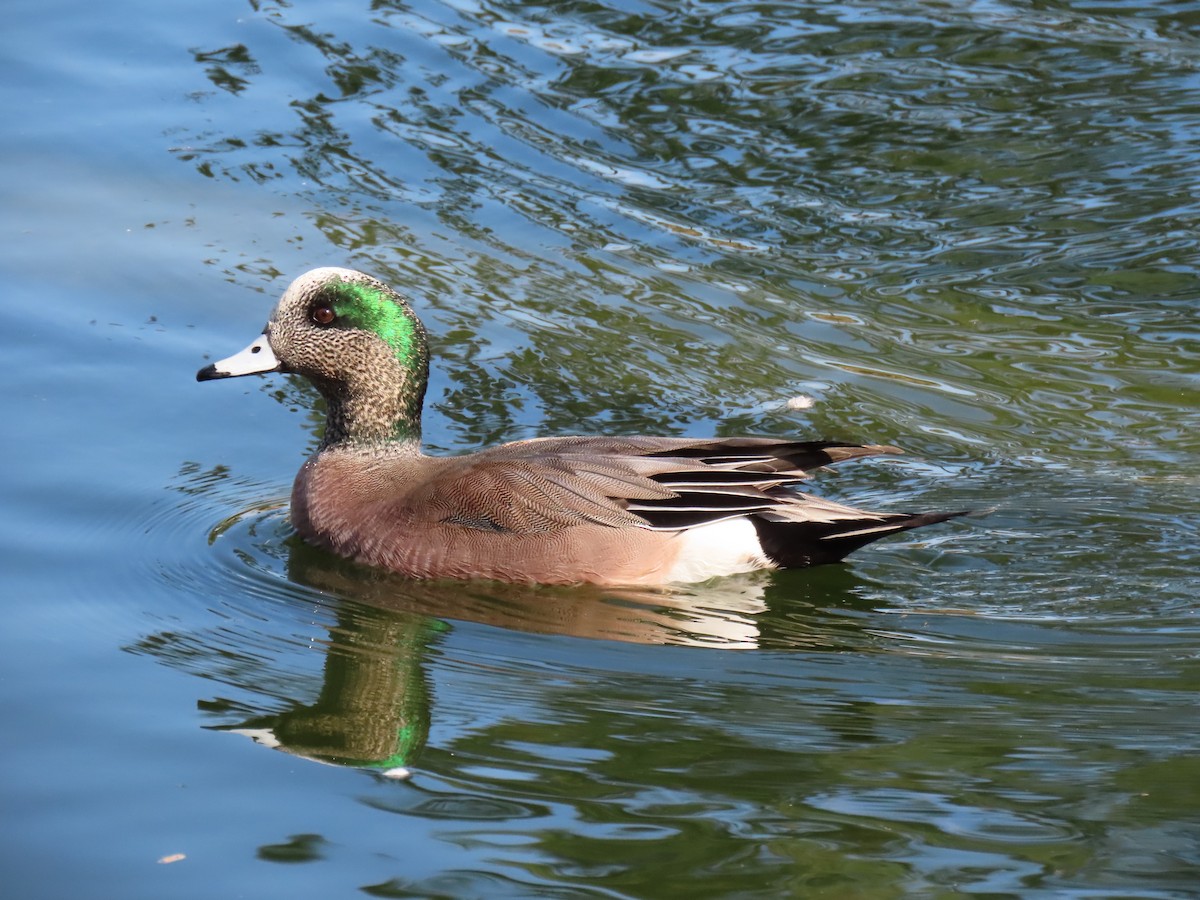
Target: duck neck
x,y
369,413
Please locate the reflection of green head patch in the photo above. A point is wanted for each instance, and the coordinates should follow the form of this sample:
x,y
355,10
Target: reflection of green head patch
x,y
369,308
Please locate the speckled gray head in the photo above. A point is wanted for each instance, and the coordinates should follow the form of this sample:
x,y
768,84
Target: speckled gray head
x,y
358,341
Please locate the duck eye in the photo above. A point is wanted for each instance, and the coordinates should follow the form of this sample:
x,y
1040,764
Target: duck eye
x,y
322,314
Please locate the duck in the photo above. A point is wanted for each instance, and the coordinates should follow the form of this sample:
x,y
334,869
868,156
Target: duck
x,y
609,510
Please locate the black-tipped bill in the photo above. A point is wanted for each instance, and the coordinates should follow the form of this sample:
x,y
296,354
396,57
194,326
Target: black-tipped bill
x,y
254,360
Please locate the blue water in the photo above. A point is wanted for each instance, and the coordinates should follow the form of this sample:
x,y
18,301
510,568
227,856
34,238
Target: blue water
x,y
968,230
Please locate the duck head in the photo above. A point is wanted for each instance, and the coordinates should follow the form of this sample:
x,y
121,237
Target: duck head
x,y
358,341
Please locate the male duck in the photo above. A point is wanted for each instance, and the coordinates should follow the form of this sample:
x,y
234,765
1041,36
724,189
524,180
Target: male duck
x,y
608,510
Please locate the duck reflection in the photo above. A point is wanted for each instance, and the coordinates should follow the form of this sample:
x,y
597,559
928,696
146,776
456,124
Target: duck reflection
x,y
758,610
375,704
374,707
720,614
373,710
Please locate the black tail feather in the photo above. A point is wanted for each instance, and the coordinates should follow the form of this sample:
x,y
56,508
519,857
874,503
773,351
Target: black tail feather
x,y
767,455
792,545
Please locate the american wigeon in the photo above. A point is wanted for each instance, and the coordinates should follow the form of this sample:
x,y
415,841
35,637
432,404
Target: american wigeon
x,y
608,510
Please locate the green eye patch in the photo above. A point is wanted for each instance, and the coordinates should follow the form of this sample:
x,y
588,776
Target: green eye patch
x,y
369,308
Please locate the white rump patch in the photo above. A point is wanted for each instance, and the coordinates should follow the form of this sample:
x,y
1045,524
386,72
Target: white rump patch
x,y
722,548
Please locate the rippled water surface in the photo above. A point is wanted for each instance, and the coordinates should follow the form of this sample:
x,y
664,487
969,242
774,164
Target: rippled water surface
x,y
968,229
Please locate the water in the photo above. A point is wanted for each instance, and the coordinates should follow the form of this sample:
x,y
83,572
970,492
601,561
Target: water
x,y
965,229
